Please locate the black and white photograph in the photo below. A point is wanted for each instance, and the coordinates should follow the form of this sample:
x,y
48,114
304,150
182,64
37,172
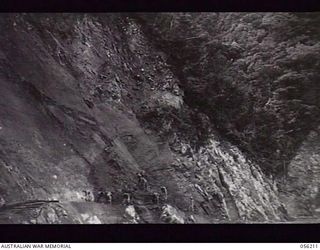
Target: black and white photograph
x,y
160,118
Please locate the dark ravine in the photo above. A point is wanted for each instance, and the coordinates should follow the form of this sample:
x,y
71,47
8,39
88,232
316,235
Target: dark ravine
x,y
89,100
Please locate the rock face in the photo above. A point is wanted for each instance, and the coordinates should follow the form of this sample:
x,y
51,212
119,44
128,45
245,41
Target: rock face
x,y
89,101
300,187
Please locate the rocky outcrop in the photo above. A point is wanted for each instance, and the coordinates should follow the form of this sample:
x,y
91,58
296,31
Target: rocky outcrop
x,y
300,187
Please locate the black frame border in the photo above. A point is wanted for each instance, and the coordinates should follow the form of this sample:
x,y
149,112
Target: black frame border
x,y
157,5
216,233
161,233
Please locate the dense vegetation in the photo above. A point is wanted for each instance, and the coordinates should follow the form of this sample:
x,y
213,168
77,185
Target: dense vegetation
x,y
256,75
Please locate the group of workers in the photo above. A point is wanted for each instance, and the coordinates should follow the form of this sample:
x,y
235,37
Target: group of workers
x,y
127,197
157,197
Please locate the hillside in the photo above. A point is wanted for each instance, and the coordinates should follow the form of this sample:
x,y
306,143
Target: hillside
x,y
214,111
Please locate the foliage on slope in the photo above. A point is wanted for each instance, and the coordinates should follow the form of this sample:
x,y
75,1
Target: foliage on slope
x,y
254,74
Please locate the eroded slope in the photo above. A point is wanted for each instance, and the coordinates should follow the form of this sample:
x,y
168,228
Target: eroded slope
x,y
87,102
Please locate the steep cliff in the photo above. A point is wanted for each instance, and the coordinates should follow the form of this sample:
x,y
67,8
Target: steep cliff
x,y
88,101
300,186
